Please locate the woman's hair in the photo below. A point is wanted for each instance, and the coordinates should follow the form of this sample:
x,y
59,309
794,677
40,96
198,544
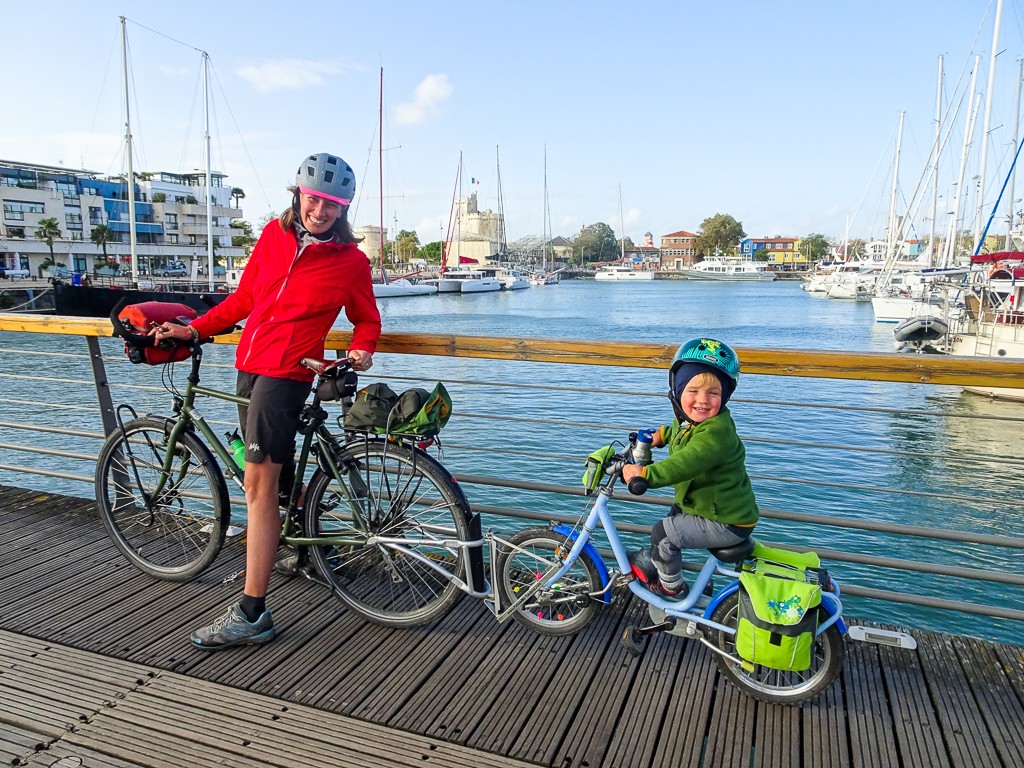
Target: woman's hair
x,y
341,230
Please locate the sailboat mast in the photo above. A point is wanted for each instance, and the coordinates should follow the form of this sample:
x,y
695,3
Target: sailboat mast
x,y
622,226
544,241
380,167
209,173
893,236
972,117
988,122
1013,173
501,208
935,177
132,234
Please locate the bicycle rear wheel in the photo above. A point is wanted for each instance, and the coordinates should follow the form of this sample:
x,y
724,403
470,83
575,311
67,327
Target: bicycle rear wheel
x,y
775,685
409,512
173,535
567,606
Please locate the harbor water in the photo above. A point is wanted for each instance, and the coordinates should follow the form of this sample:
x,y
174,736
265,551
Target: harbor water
x,y
827,447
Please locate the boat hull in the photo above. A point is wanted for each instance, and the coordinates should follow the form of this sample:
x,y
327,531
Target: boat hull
x,y
95,301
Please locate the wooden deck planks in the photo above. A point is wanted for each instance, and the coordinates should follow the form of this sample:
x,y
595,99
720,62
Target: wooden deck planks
x,y
466,683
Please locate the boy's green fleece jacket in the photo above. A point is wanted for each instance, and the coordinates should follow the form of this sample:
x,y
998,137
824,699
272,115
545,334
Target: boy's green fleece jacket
x,y
706,465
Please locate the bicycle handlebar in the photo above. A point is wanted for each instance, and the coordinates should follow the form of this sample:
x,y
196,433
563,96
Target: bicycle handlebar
x,y
638,486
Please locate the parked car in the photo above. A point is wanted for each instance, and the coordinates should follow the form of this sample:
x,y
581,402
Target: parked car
x,y
174,269
11,272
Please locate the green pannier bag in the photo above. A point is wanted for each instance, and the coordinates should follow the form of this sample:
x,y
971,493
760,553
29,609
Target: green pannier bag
x,y
371,409
778,610
419,412
416,411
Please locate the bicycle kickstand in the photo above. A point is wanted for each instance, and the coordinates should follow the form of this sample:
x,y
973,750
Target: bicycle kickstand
x,y
635,640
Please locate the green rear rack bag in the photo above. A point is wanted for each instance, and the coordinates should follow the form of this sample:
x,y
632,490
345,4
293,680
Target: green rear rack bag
x,y
778,610
419,412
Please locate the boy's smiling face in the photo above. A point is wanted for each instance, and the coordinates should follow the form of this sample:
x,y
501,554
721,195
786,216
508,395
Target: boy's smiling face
x,y
701,398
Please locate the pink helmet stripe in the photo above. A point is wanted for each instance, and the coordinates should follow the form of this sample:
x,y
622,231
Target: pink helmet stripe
x,y
317,193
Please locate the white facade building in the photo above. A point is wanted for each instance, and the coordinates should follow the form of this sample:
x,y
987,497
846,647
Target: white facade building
x,y
170,217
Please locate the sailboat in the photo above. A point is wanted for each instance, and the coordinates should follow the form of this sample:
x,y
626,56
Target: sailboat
x,y
543,277
399,286
96,301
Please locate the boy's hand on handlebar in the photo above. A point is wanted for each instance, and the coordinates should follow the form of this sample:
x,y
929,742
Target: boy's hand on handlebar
x,y
361,359
630,471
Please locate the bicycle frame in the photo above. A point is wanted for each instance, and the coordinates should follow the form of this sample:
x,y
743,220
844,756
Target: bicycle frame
x,y
689,608
311,426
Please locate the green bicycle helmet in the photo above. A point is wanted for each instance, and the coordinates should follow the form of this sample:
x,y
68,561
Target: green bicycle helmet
x,y
699,356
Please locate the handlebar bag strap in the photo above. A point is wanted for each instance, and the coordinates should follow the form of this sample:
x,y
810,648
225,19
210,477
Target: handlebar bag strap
x,y
140,319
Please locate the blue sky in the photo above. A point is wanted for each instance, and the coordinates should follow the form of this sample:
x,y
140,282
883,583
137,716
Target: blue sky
x,y
781,114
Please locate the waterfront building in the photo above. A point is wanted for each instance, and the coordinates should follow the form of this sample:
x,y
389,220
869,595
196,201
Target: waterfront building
x,y
678,250
780,253
477,235
170,219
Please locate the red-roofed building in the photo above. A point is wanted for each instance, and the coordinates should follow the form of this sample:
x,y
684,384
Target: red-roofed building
x,y
678,250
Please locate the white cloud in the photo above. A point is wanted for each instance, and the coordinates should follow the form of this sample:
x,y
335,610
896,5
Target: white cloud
x,y
288,74
433,91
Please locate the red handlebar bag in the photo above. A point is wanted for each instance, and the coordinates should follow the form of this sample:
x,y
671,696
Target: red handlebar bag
x,y
139,319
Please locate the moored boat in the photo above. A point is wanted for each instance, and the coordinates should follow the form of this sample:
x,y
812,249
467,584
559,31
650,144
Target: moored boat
x,y
622,272
728,269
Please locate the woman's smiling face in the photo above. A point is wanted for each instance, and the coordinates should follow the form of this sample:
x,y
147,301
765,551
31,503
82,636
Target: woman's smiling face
x,y
318,214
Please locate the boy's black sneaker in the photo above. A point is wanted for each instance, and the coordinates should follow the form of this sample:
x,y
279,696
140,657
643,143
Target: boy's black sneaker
x,y
643,568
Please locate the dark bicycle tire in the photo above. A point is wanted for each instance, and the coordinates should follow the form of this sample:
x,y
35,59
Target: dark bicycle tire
x,y
776,686
568,606
398,492
185,530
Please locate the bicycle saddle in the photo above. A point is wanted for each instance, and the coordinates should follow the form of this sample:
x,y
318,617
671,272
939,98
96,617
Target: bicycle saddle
x,y
735,553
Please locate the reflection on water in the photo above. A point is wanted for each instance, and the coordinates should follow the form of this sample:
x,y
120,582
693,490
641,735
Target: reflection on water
x,y
966,472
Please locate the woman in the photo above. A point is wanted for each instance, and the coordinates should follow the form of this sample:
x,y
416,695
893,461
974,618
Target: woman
x,y
304,269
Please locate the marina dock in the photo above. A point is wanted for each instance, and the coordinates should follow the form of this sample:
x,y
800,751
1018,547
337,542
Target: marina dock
x,y
97,670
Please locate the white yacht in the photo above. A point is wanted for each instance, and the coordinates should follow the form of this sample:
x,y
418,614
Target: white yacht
x,y
401,287
728,269
466,281
511,279
622,272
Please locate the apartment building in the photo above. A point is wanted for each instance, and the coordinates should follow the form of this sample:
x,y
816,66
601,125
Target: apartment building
x,y
170,218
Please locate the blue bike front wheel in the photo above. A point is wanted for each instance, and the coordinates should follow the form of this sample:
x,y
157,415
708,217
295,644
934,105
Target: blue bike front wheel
x,y
561,608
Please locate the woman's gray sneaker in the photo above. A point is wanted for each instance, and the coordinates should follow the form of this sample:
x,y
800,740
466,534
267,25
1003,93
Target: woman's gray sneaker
x,y
233,629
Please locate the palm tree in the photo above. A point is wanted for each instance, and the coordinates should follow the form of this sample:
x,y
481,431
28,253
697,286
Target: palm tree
x,y
101,235
48,231
239,194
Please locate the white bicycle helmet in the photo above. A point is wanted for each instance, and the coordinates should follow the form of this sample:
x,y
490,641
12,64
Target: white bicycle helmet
x,y
327,176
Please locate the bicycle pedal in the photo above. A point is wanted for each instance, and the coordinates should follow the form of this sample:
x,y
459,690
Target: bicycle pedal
x,y
633,641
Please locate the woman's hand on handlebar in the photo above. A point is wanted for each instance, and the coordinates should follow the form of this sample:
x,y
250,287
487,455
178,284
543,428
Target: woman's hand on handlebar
x,y
171,331
361,359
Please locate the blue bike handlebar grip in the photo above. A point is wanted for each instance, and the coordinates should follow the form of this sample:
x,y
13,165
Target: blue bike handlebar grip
x,y
638,486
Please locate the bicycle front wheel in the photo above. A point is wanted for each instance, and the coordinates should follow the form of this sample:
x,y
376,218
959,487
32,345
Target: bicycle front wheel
x,y
777,686
560,609
169,524
406,514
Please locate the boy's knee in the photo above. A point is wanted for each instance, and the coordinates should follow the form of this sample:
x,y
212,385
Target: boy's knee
x,y
658,533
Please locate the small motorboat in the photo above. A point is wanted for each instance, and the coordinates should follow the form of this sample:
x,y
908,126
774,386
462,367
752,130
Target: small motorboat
x,y
918,333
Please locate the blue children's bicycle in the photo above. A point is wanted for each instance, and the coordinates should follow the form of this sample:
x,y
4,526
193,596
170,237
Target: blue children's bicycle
x,y
553,580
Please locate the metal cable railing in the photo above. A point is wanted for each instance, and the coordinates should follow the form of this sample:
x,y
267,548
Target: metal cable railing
x,y
976,565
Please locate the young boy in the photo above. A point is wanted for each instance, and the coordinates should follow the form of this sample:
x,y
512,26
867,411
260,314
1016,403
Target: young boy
x,y
714,502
